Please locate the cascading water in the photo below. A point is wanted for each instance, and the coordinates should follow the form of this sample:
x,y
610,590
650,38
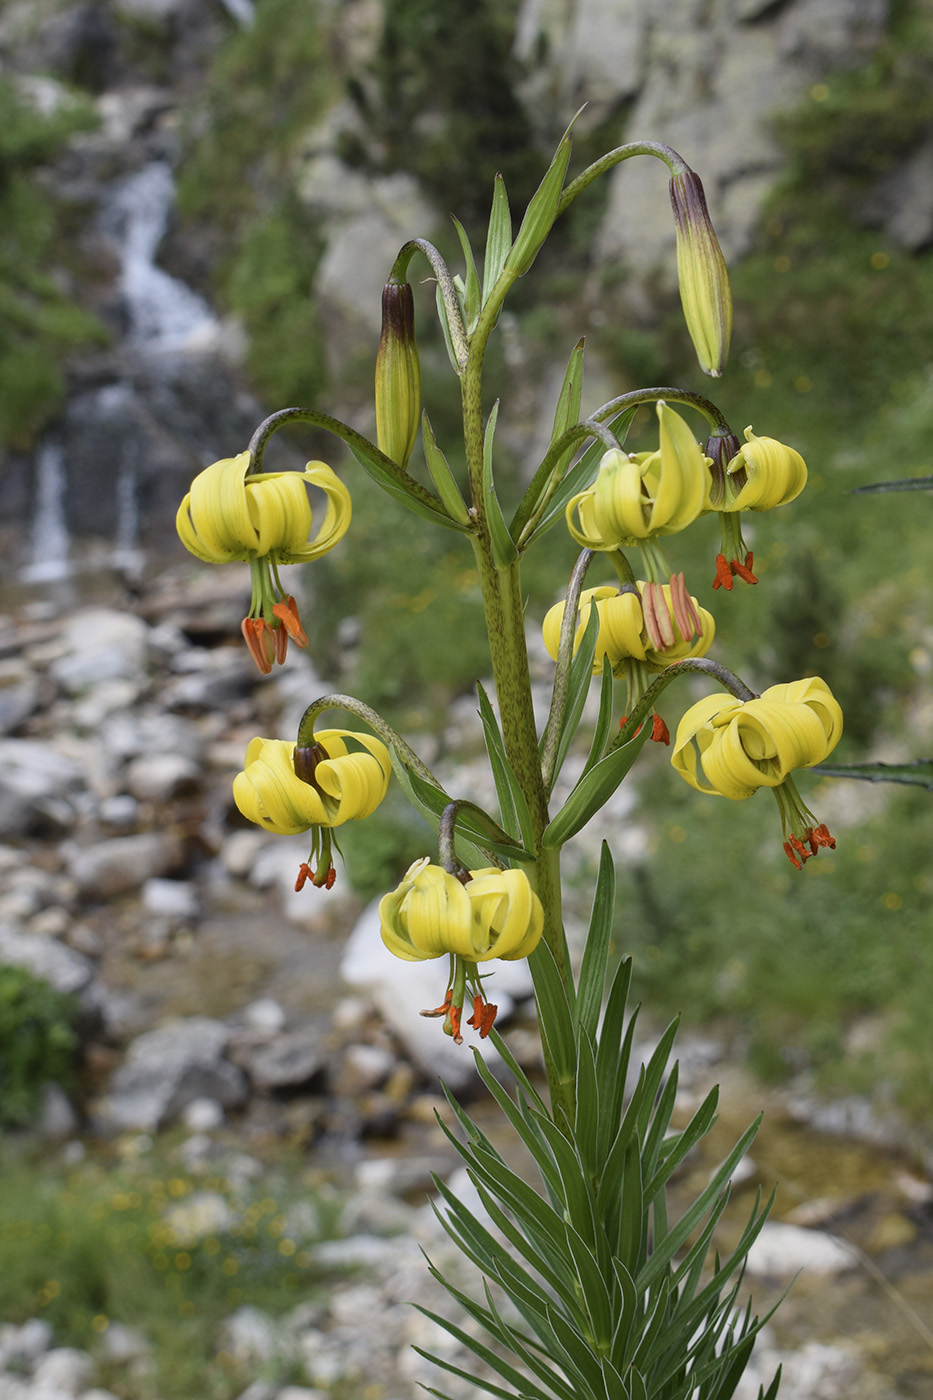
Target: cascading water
x,y
91,475
164,314
49,544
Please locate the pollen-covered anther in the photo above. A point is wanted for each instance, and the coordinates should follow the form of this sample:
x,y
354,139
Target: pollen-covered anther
x,y
484,1015
660,734
444,1007
744,571
287,612
658,623
686,612
723,577
305,873
263,642
821,836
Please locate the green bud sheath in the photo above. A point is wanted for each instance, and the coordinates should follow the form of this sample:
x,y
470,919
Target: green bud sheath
x,y
398,375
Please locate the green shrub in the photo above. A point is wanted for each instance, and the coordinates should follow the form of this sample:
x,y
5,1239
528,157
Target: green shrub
x,y
39,324
37,1042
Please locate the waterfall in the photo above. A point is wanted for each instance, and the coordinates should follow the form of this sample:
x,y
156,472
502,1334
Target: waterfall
x,y
48,555
164,314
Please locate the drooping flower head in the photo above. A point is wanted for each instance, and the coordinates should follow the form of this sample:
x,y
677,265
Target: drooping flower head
x,y
490,913
760,475
639,497
344,777
730,748
264,518
658,624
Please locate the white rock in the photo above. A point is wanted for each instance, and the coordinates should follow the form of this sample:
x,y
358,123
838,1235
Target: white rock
x,y
203,1116
170,1067
251,1336
63,1368
62,967
123,863
100,644
121,1344
27,1343
171,899
781,1251
159,777
265,1015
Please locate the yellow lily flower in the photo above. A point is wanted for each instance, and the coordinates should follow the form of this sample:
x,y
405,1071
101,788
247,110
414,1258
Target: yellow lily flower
x,y
763,474
636,498
626,633
264,518
492,914
730,748
345,785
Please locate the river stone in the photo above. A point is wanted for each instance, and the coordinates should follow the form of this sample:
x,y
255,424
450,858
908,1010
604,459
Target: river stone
x,y
781,1251
160,777
100,644
123,863
291,1062
37,788
24,1345
168,1068
55,963
63,1368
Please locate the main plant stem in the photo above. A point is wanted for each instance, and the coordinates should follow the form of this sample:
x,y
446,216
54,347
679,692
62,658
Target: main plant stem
x,y
505,625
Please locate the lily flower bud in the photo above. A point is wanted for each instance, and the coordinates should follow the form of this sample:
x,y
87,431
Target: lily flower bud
x,y
398,375
702,275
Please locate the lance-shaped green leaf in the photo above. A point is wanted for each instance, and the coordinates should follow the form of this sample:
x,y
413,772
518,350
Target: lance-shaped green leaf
x,y
541,212
593,791
498,237
429,801
582,474
592,982
567,411
555,1013
910,483
477,832
470,291
603,725
513,807
414,497
503,546
445,327
713,1199
579,676
919,773
441,475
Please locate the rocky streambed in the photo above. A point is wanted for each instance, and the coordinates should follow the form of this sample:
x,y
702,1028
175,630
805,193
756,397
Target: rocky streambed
x,y
221,1007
